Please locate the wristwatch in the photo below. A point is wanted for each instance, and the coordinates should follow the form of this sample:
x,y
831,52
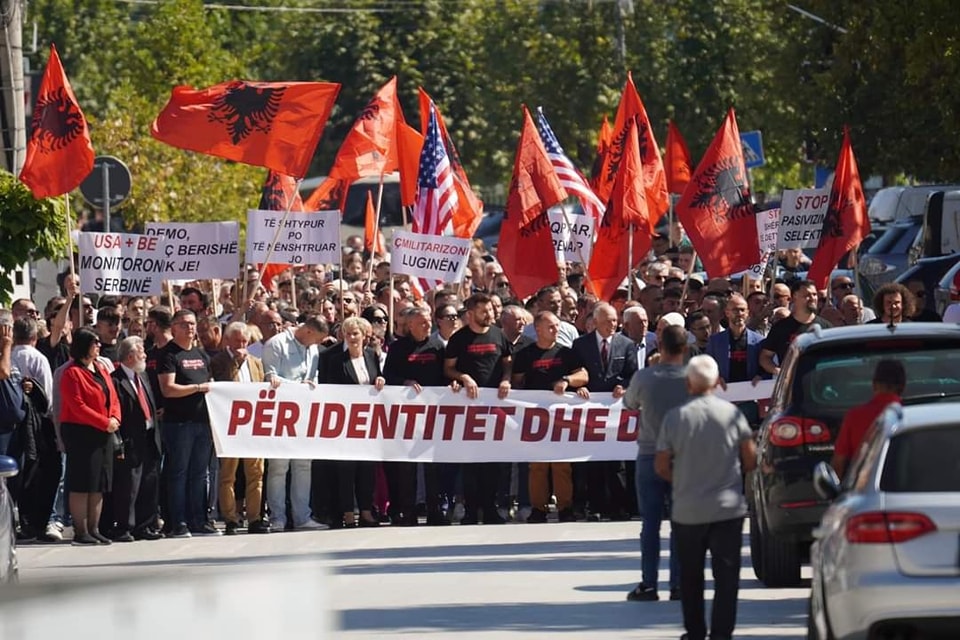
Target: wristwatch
x,y
566,379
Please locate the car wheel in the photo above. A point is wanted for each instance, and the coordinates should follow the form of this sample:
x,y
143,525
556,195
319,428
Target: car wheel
x,y
756,557
780,560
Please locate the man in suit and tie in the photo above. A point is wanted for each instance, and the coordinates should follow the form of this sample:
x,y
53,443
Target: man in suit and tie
x,y
234,364
610,359
136,477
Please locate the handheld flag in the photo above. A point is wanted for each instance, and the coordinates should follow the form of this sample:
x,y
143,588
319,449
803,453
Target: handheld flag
x,y
715,208
846,223
570,178
437,197
677,160
268,124
370,148
59,151
371,231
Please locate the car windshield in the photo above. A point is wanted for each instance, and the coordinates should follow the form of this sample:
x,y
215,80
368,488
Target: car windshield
x,y
831,380
924,460
355,207
896,239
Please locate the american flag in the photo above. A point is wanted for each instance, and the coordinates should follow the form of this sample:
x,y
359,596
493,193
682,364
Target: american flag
x,y
571,179
437,197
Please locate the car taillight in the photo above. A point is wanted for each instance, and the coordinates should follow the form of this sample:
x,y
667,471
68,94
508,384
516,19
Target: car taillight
x,y
887,527
955,287
794,432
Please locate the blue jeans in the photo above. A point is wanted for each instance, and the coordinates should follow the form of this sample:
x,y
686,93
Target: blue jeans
x,y
188,446
653,493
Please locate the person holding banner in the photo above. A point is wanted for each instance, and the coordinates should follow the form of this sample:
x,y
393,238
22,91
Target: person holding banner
x,y
350,362
547,365
292,356
479,355
416,361
183,371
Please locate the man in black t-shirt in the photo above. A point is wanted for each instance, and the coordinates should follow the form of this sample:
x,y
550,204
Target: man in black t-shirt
x,y
415,360
548,366
478,355
183,371
802,318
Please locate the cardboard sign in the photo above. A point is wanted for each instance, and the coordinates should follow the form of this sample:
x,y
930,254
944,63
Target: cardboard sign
x,y
306,237
801,218
122,263
199,250
572,236
438,258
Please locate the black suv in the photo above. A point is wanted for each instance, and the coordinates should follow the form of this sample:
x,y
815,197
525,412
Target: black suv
x,y
825,373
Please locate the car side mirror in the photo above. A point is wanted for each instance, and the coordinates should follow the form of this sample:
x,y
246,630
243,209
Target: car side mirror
x,y
8,467
826,482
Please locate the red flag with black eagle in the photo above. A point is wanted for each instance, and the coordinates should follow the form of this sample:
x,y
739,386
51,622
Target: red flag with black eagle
x,y
654,180
604,139
846,223
59,151
626,210
525,249
328,196
716,209
279,192
268,124
370,148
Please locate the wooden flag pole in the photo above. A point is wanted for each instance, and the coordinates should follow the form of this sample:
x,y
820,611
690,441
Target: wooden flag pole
x,y
276,236
376,233
686,281
66,201
630,261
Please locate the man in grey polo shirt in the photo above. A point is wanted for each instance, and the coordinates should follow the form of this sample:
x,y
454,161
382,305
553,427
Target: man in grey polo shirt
x,y
704,447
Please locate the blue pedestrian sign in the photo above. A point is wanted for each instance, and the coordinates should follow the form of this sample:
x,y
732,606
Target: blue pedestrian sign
x,y
752,143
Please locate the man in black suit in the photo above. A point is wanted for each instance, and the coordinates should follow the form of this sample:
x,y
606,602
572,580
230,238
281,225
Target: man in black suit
x,y
136,488
610,359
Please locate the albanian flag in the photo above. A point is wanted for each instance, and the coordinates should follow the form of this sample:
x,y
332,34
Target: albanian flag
x,y
846,223
715,208
328,196
370,148
268,124
59,151
279,193
677,160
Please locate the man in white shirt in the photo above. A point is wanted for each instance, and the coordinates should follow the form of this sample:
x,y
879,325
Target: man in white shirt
x,y
550,299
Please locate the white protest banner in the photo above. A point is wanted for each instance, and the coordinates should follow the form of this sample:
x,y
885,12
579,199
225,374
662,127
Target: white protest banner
x,y
199,250
121,263
440,258
768,223
801,218
572,236
310,237
353,422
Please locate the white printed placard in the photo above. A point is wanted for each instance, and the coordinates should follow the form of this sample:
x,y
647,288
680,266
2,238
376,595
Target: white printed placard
x,y
122,263
439,258
572,236
768,223
199,250
310,237
801,218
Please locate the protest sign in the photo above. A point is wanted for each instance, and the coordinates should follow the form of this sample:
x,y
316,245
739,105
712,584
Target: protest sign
x,y
306,237
353,422
801,218
572,236
199,250
438,258
768,223
121,263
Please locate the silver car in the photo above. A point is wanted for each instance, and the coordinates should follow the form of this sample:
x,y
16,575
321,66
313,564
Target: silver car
x,y
8,538
886,556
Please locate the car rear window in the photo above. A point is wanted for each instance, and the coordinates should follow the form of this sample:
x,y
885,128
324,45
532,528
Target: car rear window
x,y
923,461
832,379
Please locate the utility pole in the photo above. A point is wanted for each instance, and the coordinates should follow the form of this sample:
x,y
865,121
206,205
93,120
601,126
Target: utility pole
x,y
12,115
623,7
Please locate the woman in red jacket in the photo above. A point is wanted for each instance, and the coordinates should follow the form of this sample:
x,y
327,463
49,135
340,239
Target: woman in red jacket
x,y
89,415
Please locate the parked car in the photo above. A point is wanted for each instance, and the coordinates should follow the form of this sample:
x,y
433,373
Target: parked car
x,y
824,374
8,536
947,290
930,271
355,204
489,228
885,560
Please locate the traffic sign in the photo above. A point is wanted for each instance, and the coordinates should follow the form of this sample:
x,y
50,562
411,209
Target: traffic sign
x,y
752,143
111,175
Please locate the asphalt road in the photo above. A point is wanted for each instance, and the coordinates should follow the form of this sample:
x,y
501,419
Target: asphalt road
x,y
518,580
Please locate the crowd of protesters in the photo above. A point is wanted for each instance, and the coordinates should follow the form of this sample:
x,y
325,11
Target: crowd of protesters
x,y
115,438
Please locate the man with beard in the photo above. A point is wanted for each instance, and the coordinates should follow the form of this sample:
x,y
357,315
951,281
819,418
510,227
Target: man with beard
x,y
782,333
416,360
737,352
479,355
547,365
550,299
